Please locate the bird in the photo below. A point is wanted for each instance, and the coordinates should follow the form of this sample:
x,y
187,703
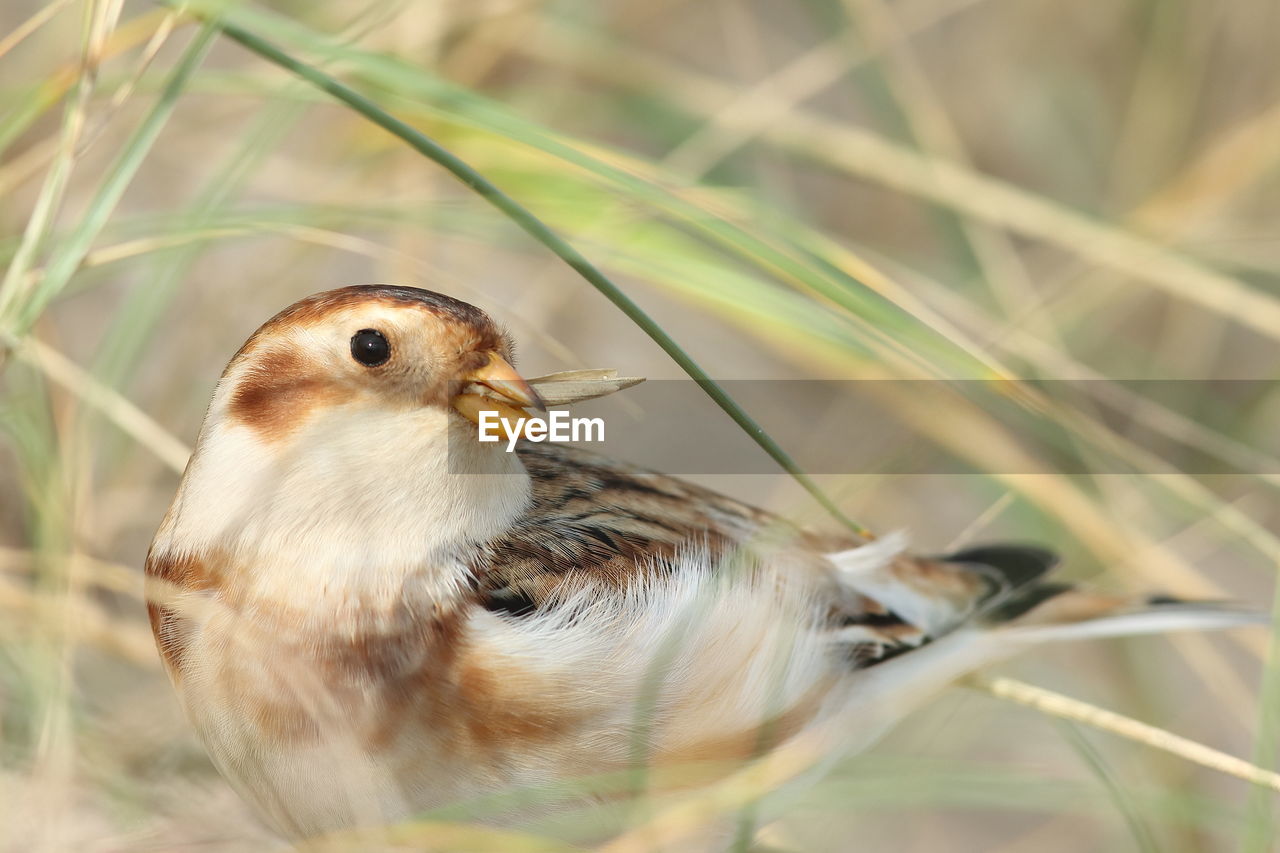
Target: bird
x,y
368,613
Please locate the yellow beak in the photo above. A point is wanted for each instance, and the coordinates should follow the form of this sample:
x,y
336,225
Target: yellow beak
x,y
496,387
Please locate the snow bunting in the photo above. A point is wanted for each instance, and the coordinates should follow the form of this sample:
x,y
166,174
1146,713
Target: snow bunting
x,y
368,613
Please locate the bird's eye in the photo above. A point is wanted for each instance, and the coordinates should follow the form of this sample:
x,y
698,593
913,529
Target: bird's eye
x,y
369,347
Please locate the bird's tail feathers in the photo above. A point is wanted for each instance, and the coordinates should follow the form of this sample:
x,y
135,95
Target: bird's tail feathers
x,y
1006,588
1062,613
884,692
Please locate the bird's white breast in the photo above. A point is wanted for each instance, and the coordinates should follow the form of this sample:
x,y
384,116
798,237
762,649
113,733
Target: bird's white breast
x,y
334,680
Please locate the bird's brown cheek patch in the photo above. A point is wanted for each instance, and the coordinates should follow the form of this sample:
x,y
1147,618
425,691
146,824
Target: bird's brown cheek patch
x,y
275,398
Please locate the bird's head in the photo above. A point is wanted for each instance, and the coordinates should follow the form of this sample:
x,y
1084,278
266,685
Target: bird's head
x,y
362,354
344,425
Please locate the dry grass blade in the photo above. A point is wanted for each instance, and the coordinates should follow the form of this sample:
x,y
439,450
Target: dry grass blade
x,y
1230,165
16,287
114,406
772,100
102,573
126,36
936,135
576,386
41,17
676,825
434,836
750,113
672,828
1066,708
870,156
21,306
90,623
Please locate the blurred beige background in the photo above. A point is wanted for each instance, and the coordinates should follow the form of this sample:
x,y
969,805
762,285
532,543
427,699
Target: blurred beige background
x,y
813,189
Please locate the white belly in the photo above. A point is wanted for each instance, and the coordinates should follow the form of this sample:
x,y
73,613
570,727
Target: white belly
x,y
515,701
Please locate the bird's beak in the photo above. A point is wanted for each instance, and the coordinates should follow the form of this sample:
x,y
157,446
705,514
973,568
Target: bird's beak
x,y
496,387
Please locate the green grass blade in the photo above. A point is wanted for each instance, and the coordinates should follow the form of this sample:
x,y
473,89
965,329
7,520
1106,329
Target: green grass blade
x,y
54,187
514,211
1143,838
1260,833
71,251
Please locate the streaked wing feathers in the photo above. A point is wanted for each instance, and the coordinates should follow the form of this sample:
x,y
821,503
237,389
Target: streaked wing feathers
x,y
908,601
603,522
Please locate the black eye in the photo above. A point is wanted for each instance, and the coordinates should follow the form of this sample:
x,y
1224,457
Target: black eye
x,y
369,347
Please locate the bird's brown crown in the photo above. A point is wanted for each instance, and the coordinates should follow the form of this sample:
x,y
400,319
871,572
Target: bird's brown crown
x,y
385,345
